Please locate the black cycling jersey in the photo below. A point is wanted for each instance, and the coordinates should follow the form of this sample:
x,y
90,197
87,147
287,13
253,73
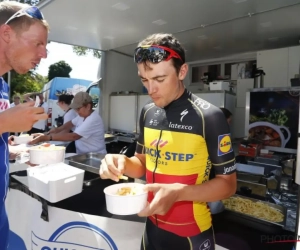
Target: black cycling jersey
x,y
182,142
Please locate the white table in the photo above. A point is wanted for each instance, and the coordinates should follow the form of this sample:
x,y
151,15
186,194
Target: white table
x,y
66,229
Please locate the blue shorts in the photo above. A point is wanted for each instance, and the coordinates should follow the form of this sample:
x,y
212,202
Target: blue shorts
x,y
4,229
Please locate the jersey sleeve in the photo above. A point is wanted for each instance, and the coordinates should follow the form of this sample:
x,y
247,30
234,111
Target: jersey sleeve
x,y
140,143
219,145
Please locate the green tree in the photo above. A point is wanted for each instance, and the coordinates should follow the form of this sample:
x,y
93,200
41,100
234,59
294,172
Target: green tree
x,y
30,82
82,51
59,69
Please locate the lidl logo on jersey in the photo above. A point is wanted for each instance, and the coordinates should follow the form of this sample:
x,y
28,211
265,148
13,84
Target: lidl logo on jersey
x,y
224,144
157,153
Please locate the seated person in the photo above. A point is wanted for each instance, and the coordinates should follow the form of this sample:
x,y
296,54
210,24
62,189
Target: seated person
x,y
89,129
64,102
228,115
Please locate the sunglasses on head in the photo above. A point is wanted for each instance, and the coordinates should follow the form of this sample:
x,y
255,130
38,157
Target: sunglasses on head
x,y
32,12
154,54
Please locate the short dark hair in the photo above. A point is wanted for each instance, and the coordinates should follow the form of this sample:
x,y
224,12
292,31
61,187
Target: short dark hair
x,y
67,99
226,112
169,41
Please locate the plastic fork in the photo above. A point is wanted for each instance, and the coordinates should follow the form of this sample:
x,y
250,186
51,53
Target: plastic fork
x,y
37,101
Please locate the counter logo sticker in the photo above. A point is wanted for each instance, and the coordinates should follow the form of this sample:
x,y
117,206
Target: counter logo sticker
x,y
224,144
64,238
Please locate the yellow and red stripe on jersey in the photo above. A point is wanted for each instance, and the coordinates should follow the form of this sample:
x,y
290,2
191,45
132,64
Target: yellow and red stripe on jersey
x,y
178,158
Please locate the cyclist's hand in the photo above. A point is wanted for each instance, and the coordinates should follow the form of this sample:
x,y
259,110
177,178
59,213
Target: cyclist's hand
x,y
112,166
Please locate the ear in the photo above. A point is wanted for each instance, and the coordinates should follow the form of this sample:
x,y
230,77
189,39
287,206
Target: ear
x,y
183,72
5,32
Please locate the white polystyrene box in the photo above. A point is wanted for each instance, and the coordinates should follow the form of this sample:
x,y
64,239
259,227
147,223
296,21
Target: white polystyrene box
x,y
55,182
219,85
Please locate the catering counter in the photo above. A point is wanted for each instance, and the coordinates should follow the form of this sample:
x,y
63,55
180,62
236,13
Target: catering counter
x,y
82,221
79,222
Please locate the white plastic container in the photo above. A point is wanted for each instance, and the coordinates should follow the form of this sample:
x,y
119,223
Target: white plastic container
x,y
55,182
127,204
46,155
219,85
23,139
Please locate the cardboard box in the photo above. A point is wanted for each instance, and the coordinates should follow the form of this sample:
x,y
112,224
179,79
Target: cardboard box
x,y
249,149
219,85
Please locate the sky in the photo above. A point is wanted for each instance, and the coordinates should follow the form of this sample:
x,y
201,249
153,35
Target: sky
x,y
83,67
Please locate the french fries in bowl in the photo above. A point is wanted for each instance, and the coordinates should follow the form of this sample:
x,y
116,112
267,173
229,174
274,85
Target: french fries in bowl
x,y
125,198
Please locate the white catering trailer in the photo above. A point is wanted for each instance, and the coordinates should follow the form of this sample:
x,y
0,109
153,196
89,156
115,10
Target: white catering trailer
x,y
219,35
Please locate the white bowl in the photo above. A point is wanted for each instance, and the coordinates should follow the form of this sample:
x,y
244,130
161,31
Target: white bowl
x,y
47,155
23,139
127,204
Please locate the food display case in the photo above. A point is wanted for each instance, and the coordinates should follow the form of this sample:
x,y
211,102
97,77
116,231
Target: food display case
x,y
272,116
272,119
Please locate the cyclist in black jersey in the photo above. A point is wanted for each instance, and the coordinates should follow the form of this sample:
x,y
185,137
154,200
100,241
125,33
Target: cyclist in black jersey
x,y
181,137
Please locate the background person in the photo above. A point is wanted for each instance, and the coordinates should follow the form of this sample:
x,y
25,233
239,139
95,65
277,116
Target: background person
x,y
89,128
23,40
176,153
64,102
228,115
16,101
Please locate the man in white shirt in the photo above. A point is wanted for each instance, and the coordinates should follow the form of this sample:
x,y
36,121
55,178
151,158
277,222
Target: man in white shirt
x,y
89,128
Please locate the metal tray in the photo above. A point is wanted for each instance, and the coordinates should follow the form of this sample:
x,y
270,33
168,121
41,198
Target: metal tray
x,y
110,138
260,224
254,188
242,176
89,162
